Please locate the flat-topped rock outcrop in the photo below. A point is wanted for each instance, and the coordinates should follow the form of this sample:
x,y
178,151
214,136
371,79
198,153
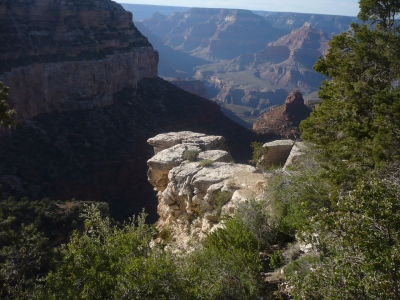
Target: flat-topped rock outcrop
x,y
205,142
194,194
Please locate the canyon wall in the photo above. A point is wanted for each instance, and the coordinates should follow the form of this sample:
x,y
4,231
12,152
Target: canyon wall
x,y
100,153
191,85
65,55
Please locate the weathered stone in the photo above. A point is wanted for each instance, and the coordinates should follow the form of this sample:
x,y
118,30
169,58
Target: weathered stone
x,y
167,140
188,201
158,178
206,142
278,152
297,150
170,158
174,207
216,156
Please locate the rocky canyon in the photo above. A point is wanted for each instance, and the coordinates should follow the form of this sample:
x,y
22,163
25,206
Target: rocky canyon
x,y
249,61
84,83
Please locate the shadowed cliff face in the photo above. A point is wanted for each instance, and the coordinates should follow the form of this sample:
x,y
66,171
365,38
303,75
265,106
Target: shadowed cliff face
x,y
100,153
191,85
65,55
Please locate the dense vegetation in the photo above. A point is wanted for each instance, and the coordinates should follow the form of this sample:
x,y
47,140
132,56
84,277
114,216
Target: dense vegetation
x,y
347,207
340,203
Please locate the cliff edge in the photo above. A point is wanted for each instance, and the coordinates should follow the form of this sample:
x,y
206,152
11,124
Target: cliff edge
x,y
194,193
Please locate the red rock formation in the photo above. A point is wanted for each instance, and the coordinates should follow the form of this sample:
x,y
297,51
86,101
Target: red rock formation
x,y
192,86
284,120
294,102
63,55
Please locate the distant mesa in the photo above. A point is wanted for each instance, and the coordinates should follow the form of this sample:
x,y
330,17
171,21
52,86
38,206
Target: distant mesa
x,y
284,120
330,24
245,58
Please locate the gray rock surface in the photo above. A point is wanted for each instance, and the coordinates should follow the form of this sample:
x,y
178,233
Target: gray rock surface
x,y
278,152
297,150
187,191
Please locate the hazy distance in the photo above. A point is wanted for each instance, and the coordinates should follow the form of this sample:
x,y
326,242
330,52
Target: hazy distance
x,y
331,7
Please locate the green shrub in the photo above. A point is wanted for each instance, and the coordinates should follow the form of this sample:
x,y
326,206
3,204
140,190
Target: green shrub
x,y
206,163
190,155
197,209
109,262
258,152
298,194
229,262
165,234
276,260
232,186
221,198
268,229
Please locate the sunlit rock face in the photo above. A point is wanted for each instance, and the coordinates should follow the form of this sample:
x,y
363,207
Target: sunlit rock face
x,y
193,195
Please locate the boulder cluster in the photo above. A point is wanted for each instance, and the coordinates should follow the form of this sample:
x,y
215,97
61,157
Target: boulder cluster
x,y
193,195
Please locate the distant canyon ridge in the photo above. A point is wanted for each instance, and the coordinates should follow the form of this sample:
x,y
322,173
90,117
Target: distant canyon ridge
x,y
249,61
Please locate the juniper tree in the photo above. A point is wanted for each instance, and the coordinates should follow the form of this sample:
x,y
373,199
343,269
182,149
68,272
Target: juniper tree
x,y
356,124
356,130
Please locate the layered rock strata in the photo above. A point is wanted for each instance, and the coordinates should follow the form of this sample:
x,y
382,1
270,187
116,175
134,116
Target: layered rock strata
x,y
67,55
192,196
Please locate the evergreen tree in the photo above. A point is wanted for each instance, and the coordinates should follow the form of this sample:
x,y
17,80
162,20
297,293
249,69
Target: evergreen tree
x,y
356,124
356,130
